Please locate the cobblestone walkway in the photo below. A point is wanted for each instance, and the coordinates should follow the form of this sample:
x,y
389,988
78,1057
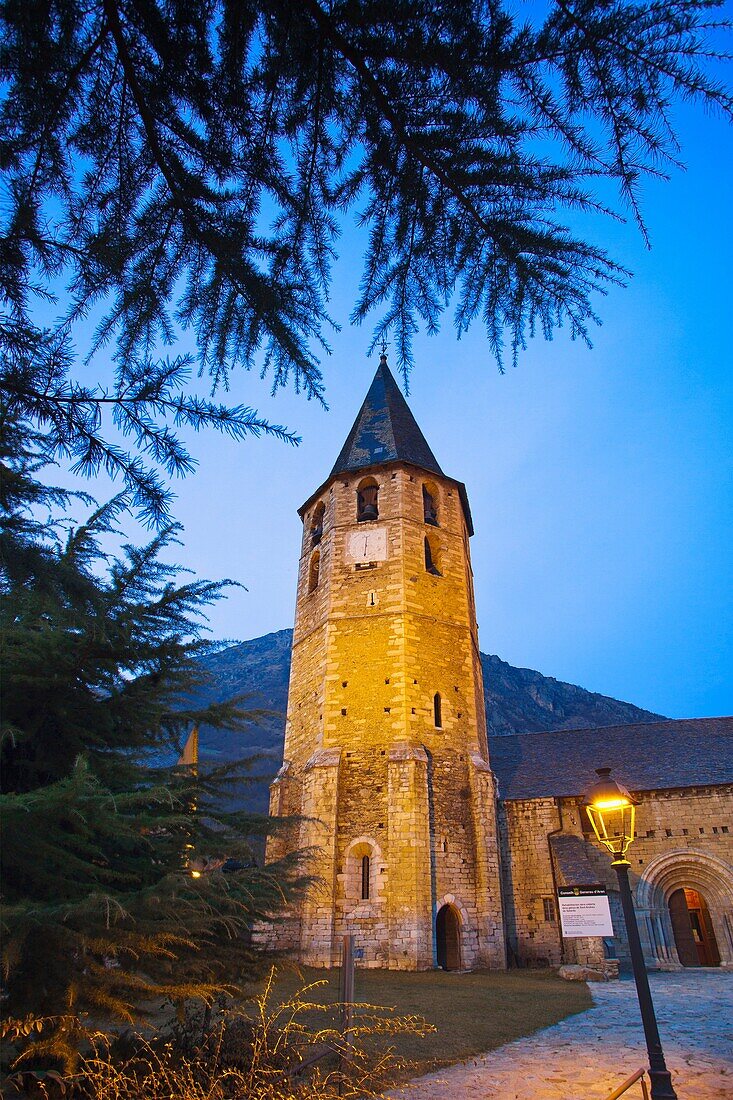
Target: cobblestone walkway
x,y
586,1056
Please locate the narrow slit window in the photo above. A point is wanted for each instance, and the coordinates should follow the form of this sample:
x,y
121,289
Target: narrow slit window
x,y
313,573
548,904
430,563
365,878
437,711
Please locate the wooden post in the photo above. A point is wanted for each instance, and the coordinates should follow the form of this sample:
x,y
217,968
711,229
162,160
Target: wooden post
x,y
347,998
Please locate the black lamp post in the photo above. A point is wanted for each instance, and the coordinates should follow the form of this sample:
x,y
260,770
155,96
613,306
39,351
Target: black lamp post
x,y
611,810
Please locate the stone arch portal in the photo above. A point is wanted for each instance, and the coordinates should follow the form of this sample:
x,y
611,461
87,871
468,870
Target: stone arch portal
x,y
659,909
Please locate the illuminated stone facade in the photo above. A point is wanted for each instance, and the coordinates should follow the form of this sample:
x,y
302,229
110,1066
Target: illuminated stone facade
x,y
683,841
386,761
681,872
385,745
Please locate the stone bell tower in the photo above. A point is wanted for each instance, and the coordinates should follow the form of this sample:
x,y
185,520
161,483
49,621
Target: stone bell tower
x,y
386,754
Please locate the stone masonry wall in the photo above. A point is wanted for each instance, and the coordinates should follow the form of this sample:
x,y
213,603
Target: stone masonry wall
x,y
375,639
684,837
528,880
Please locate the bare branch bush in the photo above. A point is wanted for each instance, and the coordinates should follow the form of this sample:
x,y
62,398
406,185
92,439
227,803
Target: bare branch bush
x,y
266,1049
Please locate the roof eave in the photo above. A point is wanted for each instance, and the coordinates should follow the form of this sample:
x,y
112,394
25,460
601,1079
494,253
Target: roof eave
x,y
637,792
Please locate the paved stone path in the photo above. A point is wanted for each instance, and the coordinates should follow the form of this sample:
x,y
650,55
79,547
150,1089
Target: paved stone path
x,y
586,1056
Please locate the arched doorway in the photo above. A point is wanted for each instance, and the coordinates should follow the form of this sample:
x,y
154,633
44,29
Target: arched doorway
x,y
448,938
693,930
665,923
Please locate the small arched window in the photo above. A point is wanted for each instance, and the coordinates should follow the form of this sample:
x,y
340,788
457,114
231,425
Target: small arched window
x,y
314,570
430,562
363,878
367,500
365,867
317,523
438,711
430,511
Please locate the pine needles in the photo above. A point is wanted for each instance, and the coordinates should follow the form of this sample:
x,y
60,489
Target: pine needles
x,y
178,176
100,912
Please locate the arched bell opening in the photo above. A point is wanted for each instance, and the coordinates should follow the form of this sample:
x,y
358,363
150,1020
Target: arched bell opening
x,y
448,938
367,500
694,936
430,505
317,523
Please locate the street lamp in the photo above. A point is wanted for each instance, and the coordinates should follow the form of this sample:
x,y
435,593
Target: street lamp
x,y
611,810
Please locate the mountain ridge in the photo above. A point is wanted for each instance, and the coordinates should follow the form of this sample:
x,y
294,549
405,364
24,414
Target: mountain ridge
x,y
517,700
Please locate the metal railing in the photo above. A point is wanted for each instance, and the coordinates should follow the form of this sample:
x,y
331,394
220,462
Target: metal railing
x,y
638,1076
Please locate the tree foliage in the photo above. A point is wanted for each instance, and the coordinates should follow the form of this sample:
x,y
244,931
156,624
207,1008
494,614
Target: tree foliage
x,y
187,164
100,911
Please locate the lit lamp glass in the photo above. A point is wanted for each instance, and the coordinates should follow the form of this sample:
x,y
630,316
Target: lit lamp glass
x,y
611,810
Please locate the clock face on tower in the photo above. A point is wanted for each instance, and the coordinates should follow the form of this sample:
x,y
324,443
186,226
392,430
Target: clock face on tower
x,y
367,545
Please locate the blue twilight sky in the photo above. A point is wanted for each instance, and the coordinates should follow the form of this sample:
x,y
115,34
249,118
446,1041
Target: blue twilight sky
x,y
600,481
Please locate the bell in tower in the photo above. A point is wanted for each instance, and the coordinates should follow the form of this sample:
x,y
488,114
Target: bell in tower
x,y
386,759
367,496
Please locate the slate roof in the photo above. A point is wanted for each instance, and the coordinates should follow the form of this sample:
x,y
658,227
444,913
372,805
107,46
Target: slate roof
x,y
645,756
572,862
385,430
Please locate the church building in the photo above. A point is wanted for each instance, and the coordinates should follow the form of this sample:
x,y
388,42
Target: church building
x,y
416,849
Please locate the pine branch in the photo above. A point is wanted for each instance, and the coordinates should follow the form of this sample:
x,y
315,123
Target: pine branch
x,y
223,148
71,414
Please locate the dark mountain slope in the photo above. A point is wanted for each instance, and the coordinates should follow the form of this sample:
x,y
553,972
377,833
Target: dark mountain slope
x,y
518,700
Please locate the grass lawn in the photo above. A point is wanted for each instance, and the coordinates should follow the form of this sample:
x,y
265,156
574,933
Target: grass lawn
x,y
472,1013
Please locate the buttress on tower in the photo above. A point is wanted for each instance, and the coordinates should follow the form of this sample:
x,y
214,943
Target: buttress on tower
x,y
386,756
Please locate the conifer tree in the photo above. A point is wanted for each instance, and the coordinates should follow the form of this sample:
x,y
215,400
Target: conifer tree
x,y
100,910
188,164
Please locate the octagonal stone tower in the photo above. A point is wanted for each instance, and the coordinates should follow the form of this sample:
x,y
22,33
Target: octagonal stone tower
x,y
386,754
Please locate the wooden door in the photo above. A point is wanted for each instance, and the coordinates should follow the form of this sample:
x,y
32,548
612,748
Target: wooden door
x,y
682,928
694,936
710,940
702,929
448,938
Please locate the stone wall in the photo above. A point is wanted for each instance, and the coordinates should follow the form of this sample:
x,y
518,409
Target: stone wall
x,y
377,637
528,878
684,837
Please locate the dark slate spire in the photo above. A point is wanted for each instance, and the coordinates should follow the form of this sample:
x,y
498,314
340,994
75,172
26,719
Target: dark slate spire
x,y
385,430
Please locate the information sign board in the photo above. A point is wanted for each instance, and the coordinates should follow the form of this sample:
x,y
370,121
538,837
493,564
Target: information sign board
x,y
584,910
